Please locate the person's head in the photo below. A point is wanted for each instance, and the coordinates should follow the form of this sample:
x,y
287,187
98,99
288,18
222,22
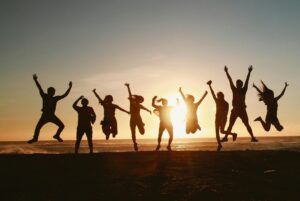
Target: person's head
x,y
190,98
108,99
163,101
267,94
220,95
51,91
239,84
84,102
138,98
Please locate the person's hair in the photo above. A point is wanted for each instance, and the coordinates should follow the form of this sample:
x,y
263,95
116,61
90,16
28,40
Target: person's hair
x,y
84,102
51,91
190,98
108,99
163,101
239,83
220,95
138,98
266,94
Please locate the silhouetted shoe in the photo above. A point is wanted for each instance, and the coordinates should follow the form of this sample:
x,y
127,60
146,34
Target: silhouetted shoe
x,y
136,147
225,139
254,139
257,119
169,148
107,137
114,135
219,148
59,139
234,136
157,148
32,141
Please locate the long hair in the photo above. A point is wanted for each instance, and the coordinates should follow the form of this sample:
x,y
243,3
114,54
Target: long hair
x,y
266,94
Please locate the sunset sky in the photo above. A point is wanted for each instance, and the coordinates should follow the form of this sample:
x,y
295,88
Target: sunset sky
x,y
156,46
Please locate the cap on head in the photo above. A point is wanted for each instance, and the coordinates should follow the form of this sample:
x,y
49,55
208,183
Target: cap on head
x,y
51,91
84,102
239,83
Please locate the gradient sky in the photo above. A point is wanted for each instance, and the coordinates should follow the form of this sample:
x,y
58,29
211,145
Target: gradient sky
x,y
156,46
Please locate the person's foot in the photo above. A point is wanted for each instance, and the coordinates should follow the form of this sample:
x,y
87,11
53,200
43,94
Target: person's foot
x,y
59,139
136,147
254,139
257,119
234,136
107,137
91,152
219,148
157,148
225,139
114,135
169,148
31,141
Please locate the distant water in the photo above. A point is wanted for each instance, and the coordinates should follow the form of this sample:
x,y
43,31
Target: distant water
x,y
242,144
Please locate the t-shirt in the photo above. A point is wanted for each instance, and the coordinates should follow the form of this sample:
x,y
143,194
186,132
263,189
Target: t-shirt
x,y
49,104
109,110
165,114
135,107
191,111
86,116
239,96
222,108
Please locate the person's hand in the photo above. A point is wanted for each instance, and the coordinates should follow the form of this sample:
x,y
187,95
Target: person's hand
x,y
205,92
254,85
94,90
35,77
127,84
209,82
250,68
150,112
70,84
180,90
155,97
286,84
225,69
81,97
128,112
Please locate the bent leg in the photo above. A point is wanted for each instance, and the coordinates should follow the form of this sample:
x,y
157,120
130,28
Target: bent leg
x,y
42,121
160,133
265,124
170,131
60,125
232,120
277,124
245,119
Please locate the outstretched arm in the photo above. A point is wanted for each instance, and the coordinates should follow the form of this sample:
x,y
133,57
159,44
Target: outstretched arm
x,y
67,92
201,99
97,96
248,77
35,78
153,102
211,90
129,91
182,94
229,78
76,102
144,108
257,89
283,91
123,110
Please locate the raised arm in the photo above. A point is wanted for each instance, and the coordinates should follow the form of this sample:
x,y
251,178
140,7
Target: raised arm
x,y
248,77
182,94
153,102
229,77
146,109
211,90
76,102
123,110
129,91
283,91
202,98
97,96
257,89
67,92
35,78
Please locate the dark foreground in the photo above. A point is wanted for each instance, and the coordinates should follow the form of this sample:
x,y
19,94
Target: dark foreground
x,y
155,176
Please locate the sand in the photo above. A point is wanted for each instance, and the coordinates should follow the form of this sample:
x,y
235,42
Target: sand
x,y
248,175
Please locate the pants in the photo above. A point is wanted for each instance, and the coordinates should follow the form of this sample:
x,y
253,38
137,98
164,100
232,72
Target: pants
x,y
110,126
162,128
81,130
46,119
136,121
271,120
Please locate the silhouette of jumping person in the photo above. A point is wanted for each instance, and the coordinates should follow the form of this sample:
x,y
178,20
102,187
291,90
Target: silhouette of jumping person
x,y
221,115
267,96
48,110
238,102
192,124
135,116
86,116
164,113
109,122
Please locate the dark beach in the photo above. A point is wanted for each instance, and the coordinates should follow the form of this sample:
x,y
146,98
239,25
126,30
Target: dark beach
x,y
247,175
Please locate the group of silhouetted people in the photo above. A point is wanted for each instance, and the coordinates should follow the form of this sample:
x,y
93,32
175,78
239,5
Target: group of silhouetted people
x,y
87,116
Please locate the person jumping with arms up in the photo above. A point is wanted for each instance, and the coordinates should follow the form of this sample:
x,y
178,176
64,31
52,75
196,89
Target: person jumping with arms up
x,y
48,111
238,102
192,124
135,116
109,122
267,96
221,115
164,113
86,117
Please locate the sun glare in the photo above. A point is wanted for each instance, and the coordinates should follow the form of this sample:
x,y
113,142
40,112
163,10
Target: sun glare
x,y
178,116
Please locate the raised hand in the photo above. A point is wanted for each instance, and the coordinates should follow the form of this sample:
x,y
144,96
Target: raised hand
x,y
81,97
70,84
180,90
155,97
254,85
250,68
286,84
225,69
127,84
209,82
94,90
35,77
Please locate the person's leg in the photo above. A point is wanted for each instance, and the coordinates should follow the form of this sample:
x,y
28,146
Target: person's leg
x,y
244,116
140,124
160,133
42,121
233,117
265,124
61,127
170,131
222,123
105,128
277,124
133,136
114,127
217,127
89,136
79,135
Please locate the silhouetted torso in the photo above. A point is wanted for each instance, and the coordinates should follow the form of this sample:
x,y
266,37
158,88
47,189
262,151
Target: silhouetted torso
x,y
272,107
165,114
239,96
134,108
222,108
49,104
109,110
192,111
85,116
